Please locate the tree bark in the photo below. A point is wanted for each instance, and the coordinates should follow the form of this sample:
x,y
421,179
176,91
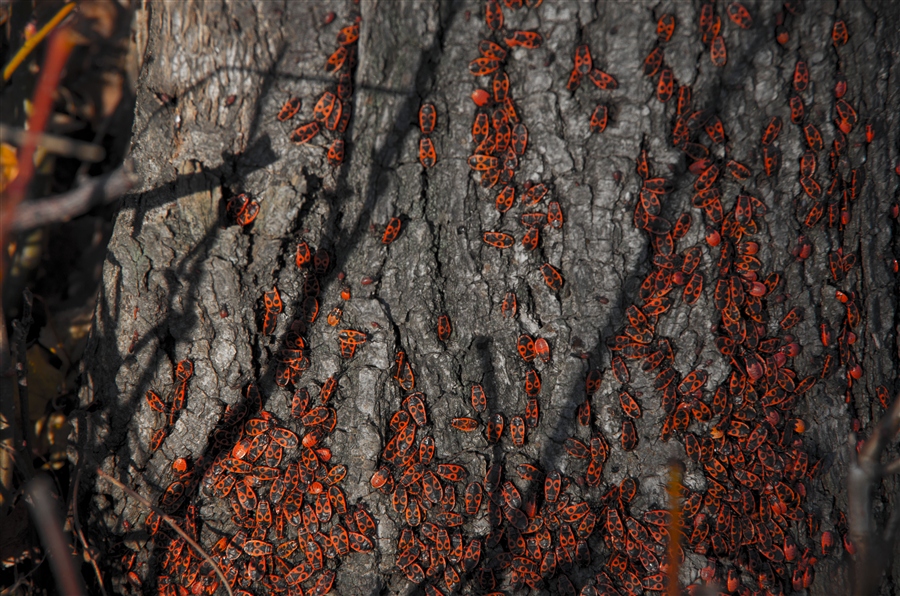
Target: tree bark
x,y
183,282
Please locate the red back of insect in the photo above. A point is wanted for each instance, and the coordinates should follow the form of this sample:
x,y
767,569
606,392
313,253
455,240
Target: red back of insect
x,y
583,61
289,109
427,118
665,27
739,15
493,15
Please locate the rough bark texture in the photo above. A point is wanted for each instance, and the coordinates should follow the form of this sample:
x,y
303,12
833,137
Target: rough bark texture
x,y
187,285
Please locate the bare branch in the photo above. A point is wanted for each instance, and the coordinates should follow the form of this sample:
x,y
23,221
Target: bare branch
x,y
873,545
890,532
46,518
172,524
7,420
892,468
20,334
98,191
76,525
56,144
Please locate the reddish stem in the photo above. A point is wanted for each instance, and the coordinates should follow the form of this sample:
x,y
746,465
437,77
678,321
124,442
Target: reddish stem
x,y
59,48
673,558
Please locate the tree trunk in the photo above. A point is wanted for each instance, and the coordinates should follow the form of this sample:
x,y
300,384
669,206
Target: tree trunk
x,y
183,281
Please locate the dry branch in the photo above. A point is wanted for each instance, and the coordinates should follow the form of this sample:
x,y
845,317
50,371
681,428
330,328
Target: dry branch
x,y
193,543
46,517
56,144
98,191
874,546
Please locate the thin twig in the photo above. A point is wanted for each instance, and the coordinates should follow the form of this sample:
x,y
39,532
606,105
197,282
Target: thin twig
x,y
676,471
56,144
8,426
25,579
892,468
20,335
97,191
46,518
35,39
77,527
874,547
59,47
165,517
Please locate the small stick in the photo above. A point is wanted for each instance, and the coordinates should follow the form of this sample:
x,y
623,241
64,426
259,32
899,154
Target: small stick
x,y
46,518
24,579
874,542
674,489
171,523
20,334
8,428
35,39
77,527
97,191
59,47
55,144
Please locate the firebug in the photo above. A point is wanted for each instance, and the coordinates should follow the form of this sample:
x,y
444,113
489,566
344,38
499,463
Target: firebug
x,y
517,430
464,424
599,118
653,62
532,383
509,306
583,61
305,133
801,76
427,118
602,80
665,27
839,33
524,39
324,106
718,53
665,87
348,35
739,15
478,399
336,60
629,435
494,429
427,153
552,277
335,153
289,109
498,239
505,200
493,15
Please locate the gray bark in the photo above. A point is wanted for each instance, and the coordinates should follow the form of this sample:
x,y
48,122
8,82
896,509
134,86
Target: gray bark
x,y
190,285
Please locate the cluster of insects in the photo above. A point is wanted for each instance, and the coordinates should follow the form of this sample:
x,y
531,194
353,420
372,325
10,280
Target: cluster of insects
x,y
584,66
427,122
501,138
529,349
750,521
500,533
632,543
333,109
744,438
293,523
537,532
831,203
423,493
241,209
184,370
